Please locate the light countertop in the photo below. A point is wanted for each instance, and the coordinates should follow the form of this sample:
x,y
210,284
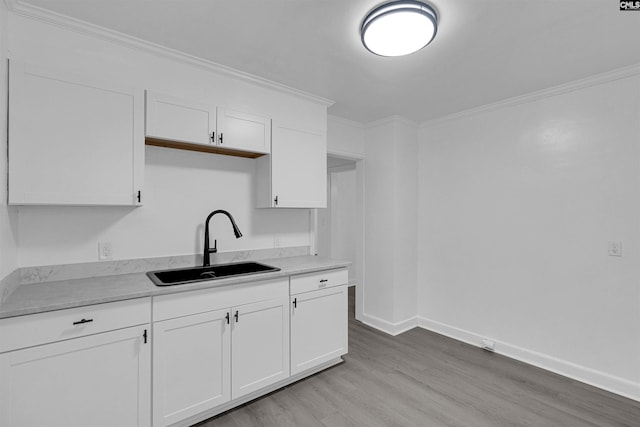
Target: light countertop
x,y
61,294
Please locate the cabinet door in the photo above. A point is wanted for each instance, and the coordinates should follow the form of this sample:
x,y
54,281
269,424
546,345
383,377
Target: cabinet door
x,y
243,131
260,345
180,120
98,380
298,168
191,366
318,327
73,140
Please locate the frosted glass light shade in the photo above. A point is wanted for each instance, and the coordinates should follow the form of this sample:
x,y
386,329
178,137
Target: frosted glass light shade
x,y
399,28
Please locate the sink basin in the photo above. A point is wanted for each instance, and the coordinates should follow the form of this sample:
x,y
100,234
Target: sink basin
x,y
199,274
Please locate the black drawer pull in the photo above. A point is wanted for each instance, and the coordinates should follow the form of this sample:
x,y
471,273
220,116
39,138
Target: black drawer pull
x,y
323,280
236,316
295,303
83,321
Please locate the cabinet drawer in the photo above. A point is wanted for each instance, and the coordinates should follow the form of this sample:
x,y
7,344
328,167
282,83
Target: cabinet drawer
x,y
318,280
26,331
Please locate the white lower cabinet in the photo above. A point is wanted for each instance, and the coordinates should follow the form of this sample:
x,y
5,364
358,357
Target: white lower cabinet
x,y
216,345
96,380
191,365
318,327
204,360
260,346
205,351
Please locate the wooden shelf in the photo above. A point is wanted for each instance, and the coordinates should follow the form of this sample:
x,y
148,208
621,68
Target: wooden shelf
x,y
202,148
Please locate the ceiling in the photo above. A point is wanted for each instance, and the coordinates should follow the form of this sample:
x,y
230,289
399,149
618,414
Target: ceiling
x,y
485,50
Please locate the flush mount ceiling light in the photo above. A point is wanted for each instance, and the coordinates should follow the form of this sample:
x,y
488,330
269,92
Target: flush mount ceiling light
x,y
399,28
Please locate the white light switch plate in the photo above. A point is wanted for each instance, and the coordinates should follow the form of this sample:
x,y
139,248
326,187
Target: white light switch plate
x,y
615,248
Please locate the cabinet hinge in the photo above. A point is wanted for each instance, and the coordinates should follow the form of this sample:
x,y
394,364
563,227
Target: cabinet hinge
x,y
144,336
139,196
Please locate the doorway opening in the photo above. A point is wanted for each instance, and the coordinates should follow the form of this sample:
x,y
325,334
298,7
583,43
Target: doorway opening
x,y
340,227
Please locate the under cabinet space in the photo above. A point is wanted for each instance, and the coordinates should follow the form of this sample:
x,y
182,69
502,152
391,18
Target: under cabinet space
x,y
73,140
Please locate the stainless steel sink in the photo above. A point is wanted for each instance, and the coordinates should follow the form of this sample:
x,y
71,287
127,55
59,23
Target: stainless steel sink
x,y
199,274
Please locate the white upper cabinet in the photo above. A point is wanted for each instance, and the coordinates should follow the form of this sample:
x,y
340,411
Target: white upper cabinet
x,y
243,131
176,122
73,140
179,120
295,175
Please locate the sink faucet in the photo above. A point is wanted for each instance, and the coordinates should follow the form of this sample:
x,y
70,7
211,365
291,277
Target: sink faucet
x,y
205,258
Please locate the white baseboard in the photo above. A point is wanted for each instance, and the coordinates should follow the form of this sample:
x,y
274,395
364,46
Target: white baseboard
x,y
389,327
580,373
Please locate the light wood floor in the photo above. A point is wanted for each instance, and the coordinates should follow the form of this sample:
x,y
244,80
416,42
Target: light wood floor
x,y
420,378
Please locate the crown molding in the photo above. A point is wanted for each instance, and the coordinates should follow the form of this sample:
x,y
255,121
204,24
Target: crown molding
x,y
609,76
391,119
20,8
346,122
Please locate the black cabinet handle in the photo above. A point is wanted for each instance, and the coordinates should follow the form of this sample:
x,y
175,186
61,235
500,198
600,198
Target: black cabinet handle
x,y
323,280
236,316
295,303
220,138
144,336
213,137
227,317
276,201
83,321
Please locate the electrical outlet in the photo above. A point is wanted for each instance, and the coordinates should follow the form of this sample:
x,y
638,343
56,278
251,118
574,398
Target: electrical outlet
x,y
488,345
105,251
615,248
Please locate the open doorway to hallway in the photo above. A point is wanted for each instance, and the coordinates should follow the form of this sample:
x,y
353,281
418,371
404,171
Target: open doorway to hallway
x,y
340,225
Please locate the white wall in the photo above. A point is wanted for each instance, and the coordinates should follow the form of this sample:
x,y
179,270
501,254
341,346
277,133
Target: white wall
x,y
8,222
517,206
344,221
390,220
181,187
345,137
406,218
